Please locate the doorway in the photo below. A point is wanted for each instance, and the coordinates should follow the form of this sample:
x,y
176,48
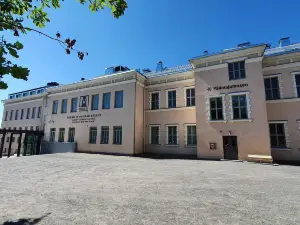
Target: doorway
x,y
230,147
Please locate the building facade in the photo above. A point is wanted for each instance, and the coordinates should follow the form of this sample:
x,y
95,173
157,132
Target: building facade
x,y
234,104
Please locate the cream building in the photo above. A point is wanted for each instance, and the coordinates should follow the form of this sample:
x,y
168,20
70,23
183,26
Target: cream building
x,y
238,103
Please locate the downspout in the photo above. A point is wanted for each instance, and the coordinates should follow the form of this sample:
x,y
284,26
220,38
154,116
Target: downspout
x,y
135,84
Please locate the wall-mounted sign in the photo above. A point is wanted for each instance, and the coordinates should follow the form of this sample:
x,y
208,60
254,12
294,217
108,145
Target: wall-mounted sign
x,y
216,88
84,118
84,103
212,145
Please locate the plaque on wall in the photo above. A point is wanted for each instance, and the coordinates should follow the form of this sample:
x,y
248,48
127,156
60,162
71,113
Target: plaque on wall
x,y
84,103
212,145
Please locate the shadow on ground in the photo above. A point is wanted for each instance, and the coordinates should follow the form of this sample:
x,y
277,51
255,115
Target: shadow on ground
x,y
167,156
27,221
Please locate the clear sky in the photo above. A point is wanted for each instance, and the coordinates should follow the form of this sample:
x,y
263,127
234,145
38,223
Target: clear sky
x,y
151,30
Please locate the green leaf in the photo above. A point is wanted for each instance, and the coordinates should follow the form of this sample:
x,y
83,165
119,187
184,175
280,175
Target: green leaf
x,y
3,85
18,45
13,52
19,72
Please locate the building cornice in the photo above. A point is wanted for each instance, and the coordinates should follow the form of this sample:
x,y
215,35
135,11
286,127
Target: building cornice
x,y
30,98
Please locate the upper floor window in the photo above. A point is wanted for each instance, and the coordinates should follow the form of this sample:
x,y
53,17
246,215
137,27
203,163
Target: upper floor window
x,y
28,113
277,135
25,94
154,98
236,70
171,98
6,115
64,104
106,101
239,107
18,95
39,112
17,115
119,99
297,85
190,96
95,102
11,114
216,108
33,113
32,93
74,104
22,114
272,88
54,107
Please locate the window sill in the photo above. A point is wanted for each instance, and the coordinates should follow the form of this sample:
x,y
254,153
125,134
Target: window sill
x,y
281,149
245,120
116,144
190,146
294,99
170,109
172,145
157,145
217,121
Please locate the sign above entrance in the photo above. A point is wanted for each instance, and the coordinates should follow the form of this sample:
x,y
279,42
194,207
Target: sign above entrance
x,y
84,103
216,88
84,118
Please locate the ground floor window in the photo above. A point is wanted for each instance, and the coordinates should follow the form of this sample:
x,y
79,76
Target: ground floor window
x,y
52,135
61,136
154,134
191,135
277,135
71,134
117,135
93,135
172,135
104,135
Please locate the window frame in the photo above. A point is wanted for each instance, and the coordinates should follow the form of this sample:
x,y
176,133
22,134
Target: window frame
x,y
167,134
186,126
75,99
11,116
22,114
71,138
190,97
151,100
54,107
167,98
61,134
17,114
28,114
6,115
280,88
33,113
52,137
286,134
116,106
94,107
120,139
295,92
234,70
92,137
248,107
104,102
104,139
223,107
64,106
150,134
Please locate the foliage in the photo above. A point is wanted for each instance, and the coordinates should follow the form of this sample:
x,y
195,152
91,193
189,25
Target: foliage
x,y
14,14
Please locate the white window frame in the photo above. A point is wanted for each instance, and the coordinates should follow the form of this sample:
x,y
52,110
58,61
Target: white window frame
x,y
150,99
167,98
280,84
248,106
208,108
167,134
150,134
186,135
294,83
185,99
286,132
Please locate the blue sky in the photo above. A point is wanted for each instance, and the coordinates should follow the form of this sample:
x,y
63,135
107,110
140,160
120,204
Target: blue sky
x,y
169,30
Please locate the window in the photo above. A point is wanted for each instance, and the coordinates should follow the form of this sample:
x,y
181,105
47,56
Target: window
x,y
31,128
236,70
37,128
17,115
216,108
93,135
32,93
191,135
22,114
54,107
25,94
11,114
61,135
154,135
190,97
272,88
13,139
95,102
171,99
277,135
64,104
39,112
104,135
117,135
52,134
74,104
33,113
297,84
172,135
106,101
71,134
239,107
28,113
119,99
154,100
6,115
20,128
7,139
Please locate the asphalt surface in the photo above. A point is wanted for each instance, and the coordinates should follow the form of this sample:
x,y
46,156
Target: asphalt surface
x,y
97,189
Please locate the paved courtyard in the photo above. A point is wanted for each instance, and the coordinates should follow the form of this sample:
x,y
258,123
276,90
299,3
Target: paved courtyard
x,y
96,189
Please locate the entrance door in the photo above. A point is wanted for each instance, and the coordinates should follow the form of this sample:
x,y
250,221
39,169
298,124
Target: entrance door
x,y
230,147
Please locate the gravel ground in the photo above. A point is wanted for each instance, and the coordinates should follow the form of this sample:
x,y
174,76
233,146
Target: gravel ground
x,y
98,189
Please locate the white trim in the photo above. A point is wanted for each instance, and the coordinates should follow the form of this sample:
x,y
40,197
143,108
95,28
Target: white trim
x,y
245,120
167,99
94,87
167,132
284,66
217,121
286,132
280,84
256,59
272,75
171,109
24,102
150,99
248,106
169,83
185,133
150,134
294,74
185,89
208,111
277,121
223,65
236,60
283,100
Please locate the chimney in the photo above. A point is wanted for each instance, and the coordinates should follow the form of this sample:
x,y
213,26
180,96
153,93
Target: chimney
x,y
159,66
82,79
284,42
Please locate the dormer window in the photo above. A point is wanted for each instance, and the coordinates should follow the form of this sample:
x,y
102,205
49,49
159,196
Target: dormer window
x,y
32,93
236,70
